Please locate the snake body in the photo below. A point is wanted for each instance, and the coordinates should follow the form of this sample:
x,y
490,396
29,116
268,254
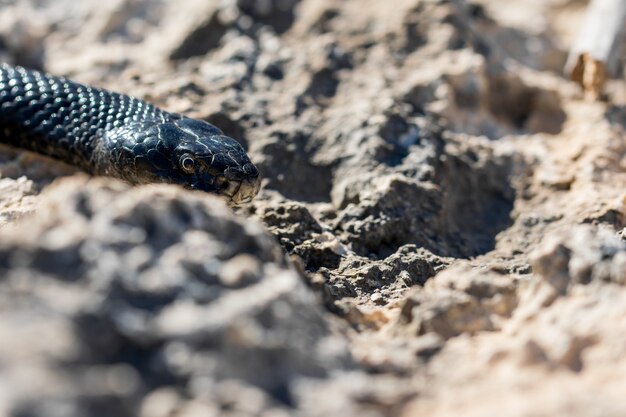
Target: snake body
x,y
111,134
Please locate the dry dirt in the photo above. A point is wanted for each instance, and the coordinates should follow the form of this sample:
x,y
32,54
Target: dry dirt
x,y
439,231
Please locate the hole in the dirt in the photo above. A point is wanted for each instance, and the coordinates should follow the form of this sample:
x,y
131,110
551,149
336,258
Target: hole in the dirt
x,y
494,105
509,101
459,213
477,204
288,167
532,109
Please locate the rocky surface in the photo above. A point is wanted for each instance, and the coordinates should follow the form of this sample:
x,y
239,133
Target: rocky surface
x,y
440,229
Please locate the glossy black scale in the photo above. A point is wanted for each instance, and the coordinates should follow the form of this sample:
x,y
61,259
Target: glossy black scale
x,y
60,118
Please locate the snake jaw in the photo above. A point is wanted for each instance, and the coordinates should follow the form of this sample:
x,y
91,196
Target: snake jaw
x,y
236,185
243,191
244,183
235,192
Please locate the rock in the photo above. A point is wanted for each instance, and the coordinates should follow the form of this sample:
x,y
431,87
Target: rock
x,y
562,341
580,256
458,300
143,288
426,172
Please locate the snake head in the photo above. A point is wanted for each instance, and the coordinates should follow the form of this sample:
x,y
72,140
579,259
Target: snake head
x,y
212,161
188,152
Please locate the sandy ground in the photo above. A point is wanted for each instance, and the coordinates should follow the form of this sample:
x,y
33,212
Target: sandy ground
x,y
439,230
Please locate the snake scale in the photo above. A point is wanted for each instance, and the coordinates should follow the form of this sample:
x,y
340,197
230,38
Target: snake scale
x,y
111,134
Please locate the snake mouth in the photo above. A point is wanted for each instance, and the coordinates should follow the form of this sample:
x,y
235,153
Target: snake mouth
x,y
239,192
234,190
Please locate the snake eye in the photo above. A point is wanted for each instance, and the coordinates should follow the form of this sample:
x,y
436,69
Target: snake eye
x,y
187,163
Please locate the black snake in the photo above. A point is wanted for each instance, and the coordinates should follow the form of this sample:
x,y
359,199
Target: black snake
x,y
106,133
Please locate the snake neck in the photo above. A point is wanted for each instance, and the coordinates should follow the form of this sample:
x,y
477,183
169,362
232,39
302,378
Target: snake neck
x,y
63,119
120,151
